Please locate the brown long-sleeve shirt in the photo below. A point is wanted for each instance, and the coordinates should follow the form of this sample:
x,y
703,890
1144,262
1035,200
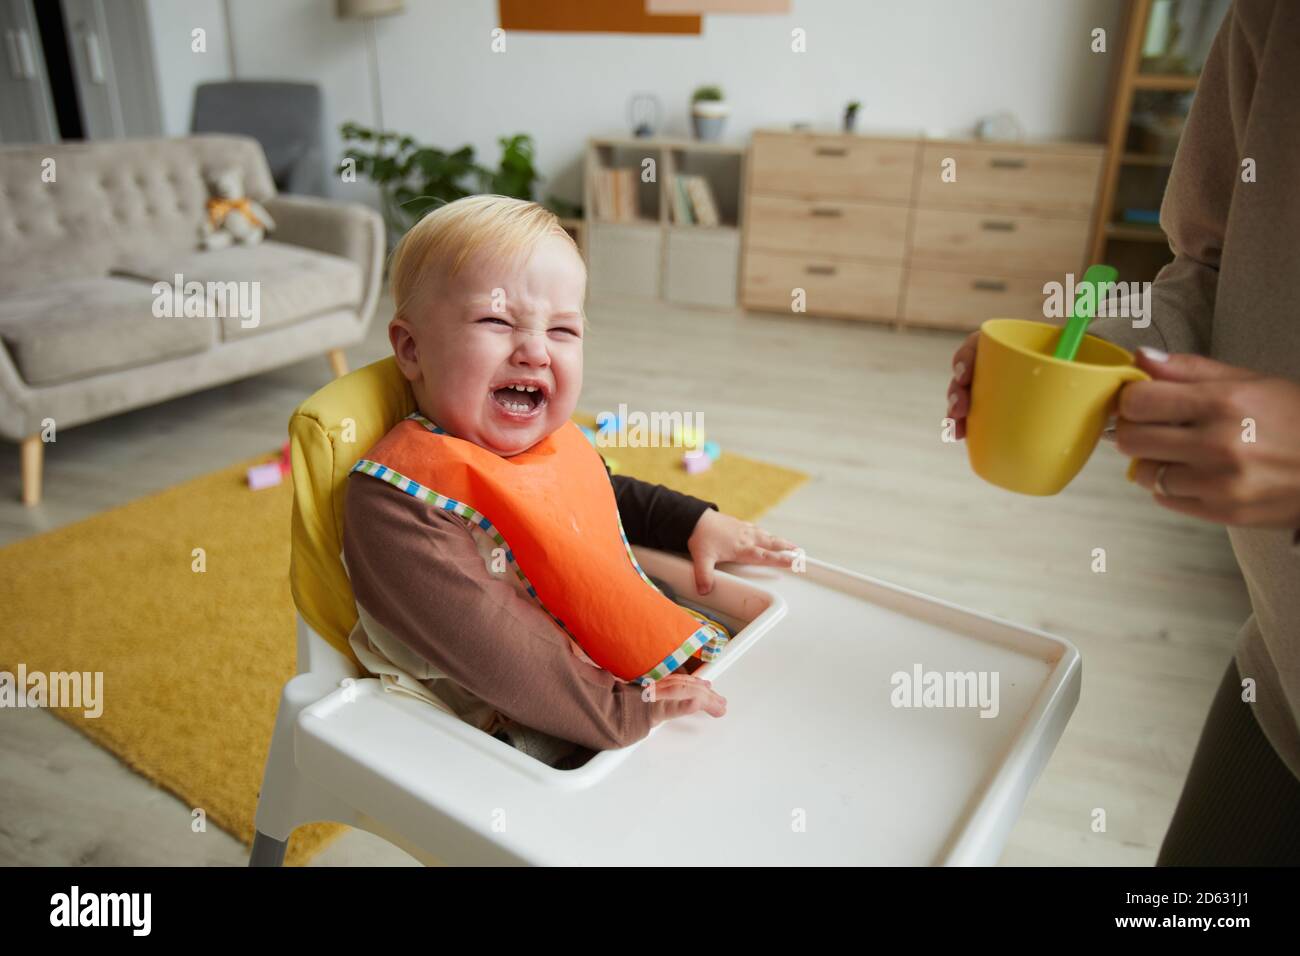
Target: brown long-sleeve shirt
x,y
1233,293
418,575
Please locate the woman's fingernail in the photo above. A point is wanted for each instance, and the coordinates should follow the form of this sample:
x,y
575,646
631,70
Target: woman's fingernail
x,y
959,370
1155,355
952,400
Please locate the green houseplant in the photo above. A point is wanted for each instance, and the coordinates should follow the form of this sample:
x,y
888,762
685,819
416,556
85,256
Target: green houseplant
x,y
413,179
707,93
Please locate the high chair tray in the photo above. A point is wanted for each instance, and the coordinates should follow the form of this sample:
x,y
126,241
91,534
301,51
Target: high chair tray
x,y
825,755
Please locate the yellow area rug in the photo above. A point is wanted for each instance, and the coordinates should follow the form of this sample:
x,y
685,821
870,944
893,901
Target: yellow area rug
x,y
194,661
737,485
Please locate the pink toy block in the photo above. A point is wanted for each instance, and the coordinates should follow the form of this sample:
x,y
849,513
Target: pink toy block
x,y
696,462
265,476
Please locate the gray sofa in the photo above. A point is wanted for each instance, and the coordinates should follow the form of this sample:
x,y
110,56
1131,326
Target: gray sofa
x,y
81,336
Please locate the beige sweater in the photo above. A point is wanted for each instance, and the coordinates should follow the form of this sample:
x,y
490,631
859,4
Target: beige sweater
x,y
1233,293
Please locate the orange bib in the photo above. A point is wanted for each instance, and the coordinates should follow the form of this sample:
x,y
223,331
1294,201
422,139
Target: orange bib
x,y
552,510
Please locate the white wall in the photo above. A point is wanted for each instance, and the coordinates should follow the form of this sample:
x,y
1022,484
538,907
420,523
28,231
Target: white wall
x,y
179,67
934,65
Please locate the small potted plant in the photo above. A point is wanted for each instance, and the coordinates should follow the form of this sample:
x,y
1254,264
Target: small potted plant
x,y
851,115
708,112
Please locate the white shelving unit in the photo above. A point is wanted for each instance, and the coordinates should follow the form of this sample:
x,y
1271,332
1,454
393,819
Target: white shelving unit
x,y
654,258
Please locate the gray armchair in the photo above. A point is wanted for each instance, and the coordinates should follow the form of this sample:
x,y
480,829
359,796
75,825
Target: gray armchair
x,y
284,117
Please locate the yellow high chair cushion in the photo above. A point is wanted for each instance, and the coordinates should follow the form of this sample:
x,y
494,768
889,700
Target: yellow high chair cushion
x,y
328,433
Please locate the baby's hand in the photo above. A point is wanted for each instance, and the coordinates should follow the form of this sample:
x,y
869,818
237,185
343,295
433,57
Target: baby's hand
x,y
718,537
680,694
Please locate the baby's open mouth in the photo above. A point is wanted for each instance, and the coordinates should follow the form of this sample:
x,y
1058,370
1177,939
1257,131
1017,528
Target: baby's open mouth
x,y
520,399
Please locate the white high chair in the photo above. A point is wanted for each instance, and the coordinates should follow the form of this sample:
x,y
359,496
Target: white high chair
x,y
815,761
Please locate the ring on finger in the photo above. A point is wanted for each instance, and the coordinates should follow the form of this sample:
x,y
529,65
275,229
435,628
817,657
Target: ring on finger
x,y
1160,480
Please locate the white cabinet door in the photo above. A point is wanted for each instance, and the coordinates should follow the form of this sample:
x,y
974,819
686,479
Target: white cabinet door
x,y
26,112
625,260
91,55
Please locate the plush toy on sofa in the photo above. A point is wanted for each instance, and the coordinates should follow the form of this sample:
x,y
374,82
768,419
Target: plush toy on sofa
x,y
232,216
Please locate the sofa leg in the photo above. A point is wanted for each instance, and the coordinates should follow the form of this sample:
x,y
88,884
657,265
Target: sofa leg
x,y
33,457
338,362
267,851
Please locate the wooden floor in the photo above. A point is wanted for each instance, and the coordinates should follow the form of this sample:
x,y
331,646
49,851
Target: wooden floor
x,y
856,406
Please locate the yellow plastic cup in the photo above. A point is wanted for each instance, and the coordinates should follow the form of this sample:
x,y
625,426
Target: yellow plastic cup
x,y
1034,419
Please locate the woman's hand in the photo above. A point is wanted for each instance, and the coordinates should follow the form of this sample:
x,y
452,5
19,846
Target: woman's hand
x,y
1224,441
718,537
963,371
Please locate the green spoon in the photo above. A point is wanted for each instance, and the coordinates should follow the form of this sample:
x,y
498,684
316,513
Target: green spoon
x,y
1081,311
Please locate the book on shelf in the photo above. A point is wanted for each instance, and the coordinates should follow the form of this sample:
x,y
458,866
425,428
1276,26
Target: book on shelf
x,y
616,195
616,198
702,201
681,203
693,202
631,212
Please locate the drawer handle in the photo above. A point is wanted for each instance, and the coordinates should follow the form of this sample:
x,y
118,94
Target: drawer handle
x,y
998,225
820,270
832,151
989,285
828,212
1000,162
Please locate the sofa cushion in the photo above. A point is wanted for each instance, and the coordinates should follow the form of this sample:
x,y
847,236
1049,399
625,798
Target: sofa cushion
x,y
278,284
82,327
106,196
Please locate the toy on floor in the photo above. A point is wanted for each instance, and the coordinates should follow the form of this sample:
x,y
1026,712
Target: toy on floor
x,y
264,476
609,423
698,459
686,437
696,462
271,473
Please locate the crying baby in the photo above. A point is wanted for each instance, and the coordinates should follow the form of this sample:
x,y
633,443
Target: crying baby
x,y
488,545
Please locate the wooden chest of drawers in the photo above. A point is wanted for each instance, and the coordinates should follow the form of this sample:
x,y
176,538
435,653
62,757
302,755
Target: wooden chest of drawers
x,y
843,227
823,166
910,231
831,285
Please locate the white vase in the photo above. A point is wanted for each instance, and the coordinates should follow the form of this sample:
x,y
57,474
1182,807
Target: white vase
x,y
708,118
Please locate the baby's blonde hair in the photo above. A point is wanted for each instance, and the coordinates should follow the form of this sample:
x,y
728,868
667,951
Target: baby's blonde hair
x,y
440,244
